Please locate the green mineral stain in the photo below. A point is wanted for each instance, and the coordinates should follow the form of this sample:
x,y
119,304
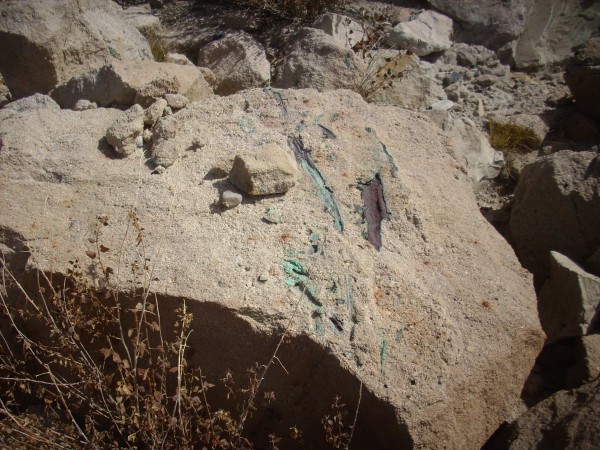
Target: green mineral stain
x,y
292,252
314,237
318,118
334,117
247,125
400,331
325,194
298,277
383,353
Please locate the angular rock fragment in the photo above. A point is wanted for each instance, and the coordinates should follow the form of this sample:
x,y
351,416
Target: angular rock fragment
x,y
123,133
428,33
268,170
238,62
569,302
154,111
343,29
118,83
176,101
83,105
45,43
230,199
36,101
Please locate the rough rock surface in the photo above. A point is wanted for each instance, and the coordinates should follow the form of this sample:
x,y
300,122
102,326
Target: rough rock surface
x,y
238,62
36,101
488,22
566,420
268,169
583,78
410,85
124,132
45,43
557,207
553,28
569,302
119,83
318,61
154,111
343,29
439,325
587,361
471,146
429,32
142,19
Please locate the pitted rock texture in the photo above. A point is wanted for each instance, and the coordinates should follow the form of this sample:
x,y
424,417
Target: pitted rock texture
x,y
45,43
440,324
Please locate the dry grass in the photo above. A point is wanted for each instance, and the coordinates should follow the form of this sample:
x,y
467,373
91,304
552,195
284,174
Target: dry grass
x,y
91,365
511,137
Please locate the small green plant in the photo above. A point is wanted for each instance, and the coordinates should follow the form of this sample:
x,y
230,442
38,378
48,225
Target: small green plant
x,y
511,137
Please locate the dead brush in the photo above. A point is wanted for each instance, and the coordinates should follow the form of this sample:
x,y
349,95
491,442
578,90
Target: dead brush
x,y
303,10
88,364
101,369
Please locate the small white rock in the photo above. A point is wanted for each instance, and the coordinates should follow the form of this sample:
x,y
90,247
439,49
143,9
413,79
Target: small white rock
x,y
168,111
230,199
139,141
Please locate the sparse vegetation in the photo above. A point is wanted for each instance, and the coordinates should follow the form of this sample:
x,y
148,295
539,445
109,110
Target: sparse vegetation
x,y
158,45
303,10
511,137
88,365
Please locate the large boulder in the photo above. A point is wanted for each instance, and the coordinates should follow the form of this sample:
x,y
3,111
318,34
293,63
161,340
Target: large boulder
x,y
36,101
396,78
317,60
557,207
120,83
440,325
566,420
569,301
487,22
45,43
583,78
429,32
553,28
238,62
342,28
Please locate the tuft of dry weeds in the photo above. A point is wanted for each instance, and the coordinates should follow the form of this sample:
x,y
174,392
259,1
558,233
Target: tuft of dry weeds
x,y
511,137
88,365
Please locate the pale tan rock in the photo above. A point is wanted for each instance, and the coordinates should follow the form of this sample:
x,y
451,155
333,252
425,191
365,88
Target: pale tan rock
x,y
154,111
270,169
123,133
569,300
121,83
45,43
440,325
238,62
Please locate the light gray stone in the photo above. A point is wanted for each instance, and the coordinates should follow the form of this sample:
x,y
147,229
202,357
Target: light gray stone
x,y
123,133
486,22
45,43
176,101
587,361
178,58
569,300
230,199
237,61
36,101
121,83
318,61
83,105
556,208
270,169
154,111
429,32
343,29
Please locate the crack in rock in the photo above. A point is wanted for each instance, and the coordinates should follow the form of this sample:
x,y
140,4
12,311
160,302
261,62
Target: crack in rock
x,y
375,209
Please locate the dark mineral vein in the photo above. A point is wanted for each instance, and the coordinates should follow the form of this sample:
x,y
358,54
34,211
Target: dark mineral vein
x,y
325,192
375,209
